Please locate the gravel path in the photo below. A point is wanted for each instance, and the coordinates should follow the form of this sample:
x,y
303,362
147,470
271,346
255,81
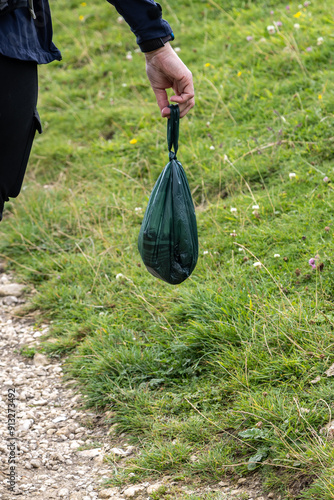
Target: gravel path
x,y
60,449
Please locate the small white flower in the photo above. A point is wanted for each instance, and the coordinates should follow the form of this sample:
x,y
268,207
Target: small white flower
x,y
205,252
277,212
208,124
120,20
177,49
241,249
296,26
271,29
233,209
292,175
138,210
326,179
212,148
277,255
255,207
257,264
233,234
129,56
124,84
119,276
320,40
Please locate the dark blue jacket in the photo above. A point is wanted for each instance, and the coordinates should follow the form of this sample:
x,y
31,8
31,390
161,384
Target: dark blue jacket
x,y
22,37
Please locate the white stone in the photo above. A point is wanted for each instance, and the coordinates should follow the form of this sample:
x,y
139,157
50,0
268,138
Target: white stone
x,y
12,289
94,452
153,488
61,418
26,424
64,492
133,490
40,359
108,493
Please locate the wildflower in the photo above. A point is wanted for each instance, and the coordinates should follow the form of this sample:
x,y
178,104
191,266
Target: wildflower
x,y
124,84
177,49
306,4
277,255
255,207
205,252
279,23
133,141
119,276
287,7
239,73
326,179
81,18
319,96
120,20
257,264
272,12
320,40
312,263
207,65
129,56
233,234
271,29
327,228
296,26
249,38
241,249
212,148
138,210
83,4
309,49
292,175
297,15
233,209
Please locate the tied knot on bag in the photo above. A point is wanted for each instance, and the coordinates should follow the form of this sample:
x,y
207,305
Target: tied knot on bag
x,y
173,131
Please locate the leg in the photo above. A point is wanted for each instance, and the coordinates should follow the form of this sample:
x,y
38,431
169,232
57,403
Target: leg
x,y
18,123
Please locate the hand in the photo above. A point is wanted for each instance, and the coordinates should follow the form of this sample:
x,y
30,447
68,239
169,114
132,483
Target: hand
x,y
165,70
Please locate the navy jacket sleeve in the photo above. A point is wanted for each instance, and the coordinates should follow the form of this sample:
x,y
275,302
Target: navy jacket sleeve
x,y
144,18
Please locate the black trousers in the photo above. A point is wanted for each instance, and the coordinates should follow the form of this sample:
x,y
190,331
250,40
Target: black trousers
x,y
19,121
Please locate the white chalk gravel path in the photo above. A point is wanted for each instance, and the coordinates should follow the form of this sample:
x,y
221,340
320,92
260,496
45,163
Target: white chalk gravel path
x,y
56,449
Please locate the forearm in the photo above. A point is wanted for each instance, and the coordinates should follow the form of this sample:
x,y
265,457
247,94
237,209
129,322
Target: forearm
x,y
144,18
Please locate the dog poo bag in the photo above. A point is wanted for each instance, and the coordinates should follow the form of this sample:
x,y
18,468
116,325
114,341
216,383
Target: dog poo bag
x,y
168,242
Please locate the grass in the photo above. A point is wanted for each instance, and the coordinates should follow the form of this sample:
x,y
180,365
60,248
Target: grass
x,y
216,377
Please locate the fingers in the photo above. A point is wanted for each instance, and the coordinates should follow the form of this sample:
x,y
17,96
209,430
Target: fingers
x,y
185,103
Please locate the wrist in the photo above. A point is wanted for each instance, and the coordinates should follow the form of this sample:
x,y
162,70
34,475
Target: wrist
x,y
149,46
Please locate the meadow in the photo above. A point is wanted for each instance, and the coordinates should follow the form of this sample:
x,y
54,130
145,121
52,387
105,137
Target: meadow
x,y
227,374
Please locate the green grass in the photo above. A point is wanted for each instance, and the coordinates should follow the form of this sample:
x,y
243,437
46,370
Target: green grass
x,y
214,377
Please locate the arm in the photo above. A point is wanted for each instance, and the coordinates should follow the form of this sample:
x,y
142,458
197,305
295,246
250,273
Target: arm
x,y
164,68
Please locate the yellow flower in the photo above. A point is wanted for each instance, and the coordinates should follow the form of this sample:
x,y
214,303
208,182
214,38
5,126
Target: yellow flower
x,y
133,141
319,96
298,14
207,65
83,4
81,18
239,73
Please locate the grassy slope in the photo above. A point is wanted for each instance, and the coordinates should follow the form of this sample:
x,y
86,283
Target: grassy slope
x,y
185,369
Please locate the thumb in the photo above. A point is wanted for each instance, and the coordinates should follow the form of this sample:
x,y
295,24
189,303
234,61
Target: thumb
x,y
162,100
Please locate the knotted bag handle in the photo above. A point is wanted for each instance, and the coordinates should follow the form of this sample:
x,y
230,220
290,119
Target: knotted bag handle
x,y
173,126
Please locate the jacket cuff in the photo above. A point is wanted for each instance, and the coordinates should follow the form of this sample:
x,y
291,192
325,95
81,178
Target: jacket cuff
x,y
144,18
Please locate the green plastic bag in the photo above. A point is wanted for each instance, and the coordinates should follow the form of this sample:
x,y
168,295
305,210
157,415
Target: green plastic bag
x,y
168,242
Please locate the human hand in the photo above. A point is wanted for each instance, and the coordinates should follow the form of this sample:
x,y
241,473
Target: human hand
x,y
165,70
